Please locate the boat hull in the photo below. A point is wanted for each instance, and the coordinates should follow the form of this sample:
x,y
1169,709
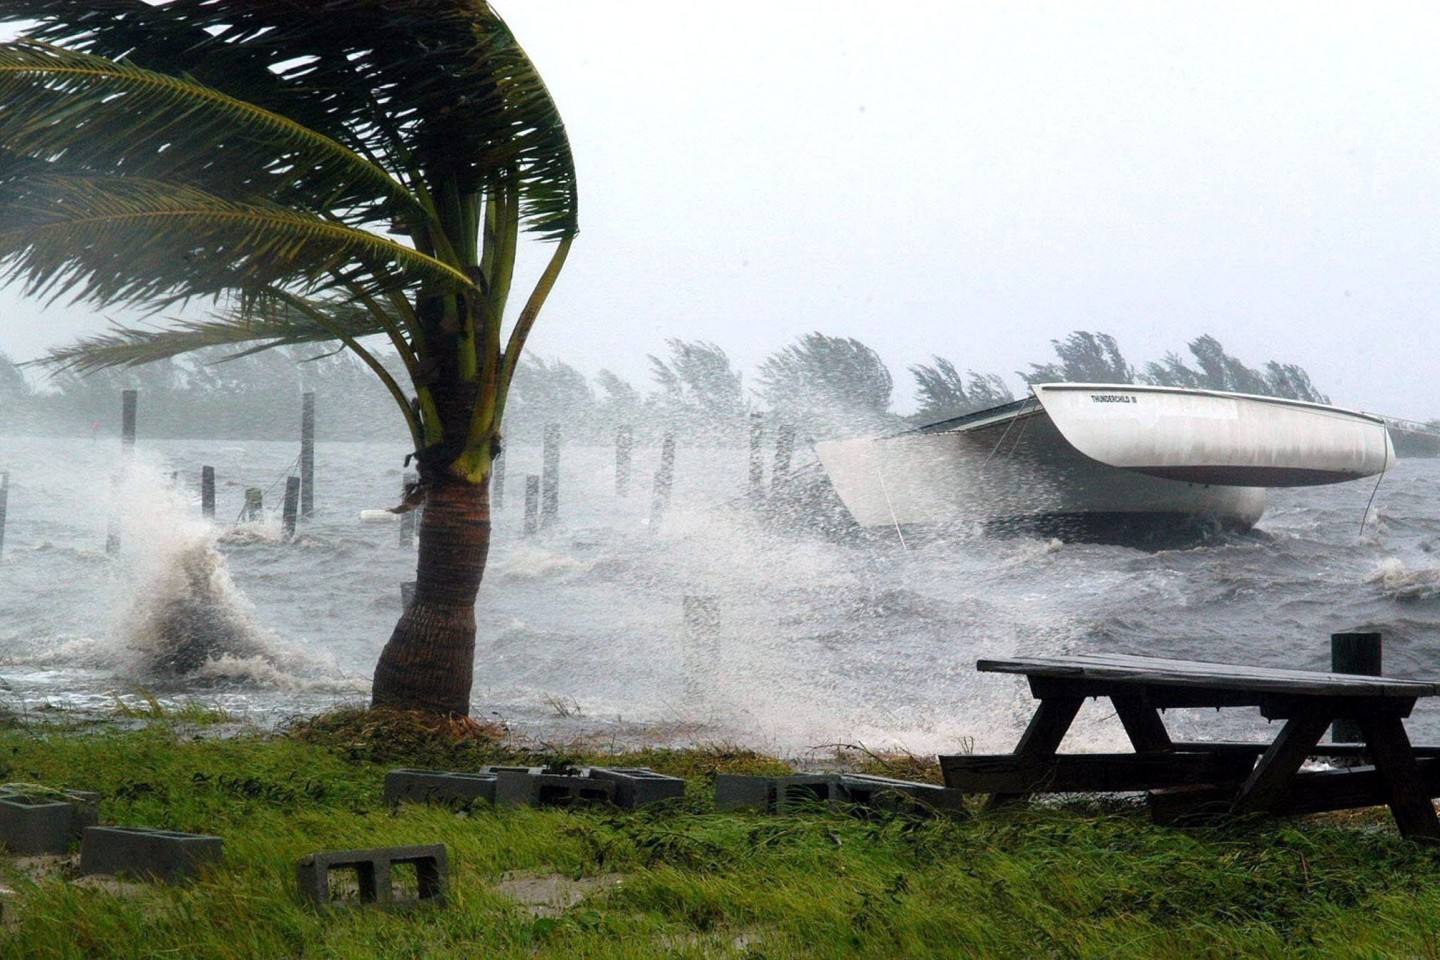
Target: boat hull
x,y
1013,472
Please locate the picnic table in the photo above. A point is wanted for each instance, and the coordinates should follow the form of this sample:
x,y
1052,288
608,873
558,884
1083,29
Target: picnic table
x,y
1186,779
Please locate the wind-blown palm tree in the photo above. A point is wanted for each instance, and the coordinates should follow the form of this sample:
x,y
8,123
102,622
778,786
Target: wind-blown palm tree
x,y
319,172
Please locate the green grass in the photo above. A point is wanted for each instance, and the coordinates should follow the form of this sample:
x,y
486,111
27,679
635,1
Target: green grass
x,y
1078,880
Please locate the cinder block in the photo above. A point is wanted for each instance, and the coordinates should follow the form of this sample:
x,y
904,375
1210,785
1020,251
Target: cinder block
x,y
734,791
904,796
376,874
445,787
546,787
33,822
639,786
142,852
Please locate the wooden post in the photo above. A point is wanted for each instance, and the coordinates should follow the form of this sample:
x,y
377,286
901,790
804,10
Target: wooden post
x,y
532,504
757,464
497,482
663,480
4,506
407,519
129,401
624,442
702,630
1353,653
307,454
254,507
784,447
292,502
207,492
550,476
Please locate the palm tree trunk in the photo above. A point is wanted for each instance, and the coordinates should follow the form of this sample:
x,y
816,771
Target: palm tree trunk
x,y
429,662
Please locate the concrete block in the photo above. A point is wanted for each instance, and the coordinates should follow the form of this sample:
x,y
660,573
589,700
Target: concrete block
x,y
639,786
36,822
735,791
384,876
544,787
443,787
142,852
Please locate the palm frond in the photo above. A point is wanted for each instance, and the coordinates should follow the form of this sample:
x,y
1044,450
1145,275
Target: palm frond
x,y
112,116
111,240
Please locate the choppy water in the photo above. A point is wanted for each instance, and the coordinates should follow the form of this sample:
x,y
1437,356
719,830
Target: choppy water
x,y
581,628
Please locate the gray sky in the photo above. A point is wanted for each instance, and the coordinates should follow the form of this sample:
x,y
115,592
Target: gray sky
x,y
975,179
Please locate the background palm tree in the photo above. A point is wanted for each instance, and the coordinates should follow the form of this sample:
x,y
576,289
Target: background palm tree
x,y
316,172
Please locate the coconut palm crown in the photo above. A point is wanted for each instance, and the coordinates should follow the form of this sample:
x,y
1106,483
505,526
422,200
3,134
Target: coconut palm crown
x,y
312,172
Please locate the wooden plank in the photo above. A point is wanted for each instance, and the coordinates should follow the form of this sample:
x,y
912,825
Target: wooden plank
x,y
1091,772
1321,749
1165,672
1313,791
1142,723
1404,788
1042,735
1278,766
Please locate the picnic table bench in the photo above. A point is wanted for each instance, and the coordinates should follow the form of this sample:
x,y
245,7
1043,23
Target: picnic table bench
x,y
1186,779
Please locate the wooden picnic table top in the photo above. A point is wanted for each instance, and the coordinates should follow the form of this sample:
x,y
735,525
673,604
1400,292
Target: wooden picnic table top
x,y
1136,671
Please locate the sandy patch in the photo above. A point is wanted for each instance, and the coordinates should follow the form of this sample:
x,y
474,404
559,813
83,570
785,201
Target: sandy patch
x,y
551,894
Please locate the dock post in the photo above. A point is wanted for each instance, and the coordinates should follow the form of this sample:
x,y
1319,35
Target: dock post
x,y
129,401
254,504
307,455
757,465
207,492
532,504
4,506
497,482
292,502
407,519
664,477
624,442
550,476
1353,653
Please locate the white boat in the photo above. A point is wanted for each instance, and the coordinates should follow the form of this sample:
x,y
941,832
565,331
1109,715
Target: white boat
x,y
1095,455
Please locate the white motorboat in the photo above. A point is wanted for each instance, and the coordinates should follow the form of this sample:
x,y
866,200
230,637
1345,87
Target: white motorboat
x,y
1086,454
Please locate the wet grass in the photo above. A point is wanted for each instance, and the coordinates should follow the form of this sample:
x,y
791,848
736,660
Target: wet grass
x,y
1075,880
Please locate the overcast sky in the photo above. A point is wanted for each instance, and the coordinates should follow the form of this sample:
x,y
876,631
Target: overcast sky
x,y
976,179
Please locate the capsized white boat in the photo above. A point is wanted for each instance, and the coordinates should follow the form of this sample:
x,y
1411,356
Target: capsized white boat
x,y
1105,452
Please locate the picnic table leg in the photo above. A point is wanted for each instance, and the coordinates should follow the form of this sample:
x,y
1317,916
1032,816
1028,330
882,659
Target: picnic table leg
x,y
1142,724
1279,764
1405,791
1043,735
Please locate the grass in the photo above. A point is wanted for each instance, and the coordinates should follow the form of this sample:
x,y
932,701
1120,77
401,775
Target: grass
x,y
1077,880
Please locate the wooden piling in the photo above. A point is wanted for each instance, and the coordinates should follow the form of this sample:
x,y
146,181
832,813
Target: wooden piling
x,y
307,454
497,482
254,507
532,504
407,519
550,476
292,503
757,464
129,403
4,506
624,443
664,477
207,492
1353,653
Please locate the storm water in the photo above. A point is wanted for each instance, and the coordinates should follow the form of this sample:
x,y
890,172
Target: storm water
x,y
796,640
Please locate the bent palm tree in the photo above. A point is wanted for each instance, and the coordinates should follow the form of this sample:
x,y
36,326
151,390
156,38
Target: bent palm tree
x,y
320,172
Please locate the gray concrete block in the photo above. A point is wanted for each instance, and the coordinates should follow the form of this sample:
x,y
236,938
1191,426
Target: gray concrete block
x,y
444,787
639,786
381,875
142,852
735,791
547,787
34,822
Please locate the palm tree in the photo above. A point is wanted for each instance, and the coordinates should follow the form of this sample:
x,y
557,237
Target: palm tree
x,y
317,172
